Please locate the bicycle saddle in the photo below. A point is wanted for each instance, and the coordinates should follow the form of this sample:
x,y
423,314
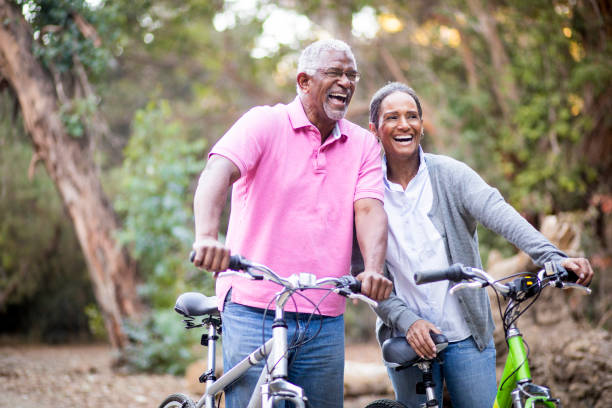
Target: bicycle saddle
x,y
397,352
196,304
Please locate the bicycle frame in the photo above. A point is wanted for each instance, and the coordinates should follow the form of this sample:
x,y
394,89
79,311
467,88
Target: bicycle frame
x,y
516,388
515,383
271,386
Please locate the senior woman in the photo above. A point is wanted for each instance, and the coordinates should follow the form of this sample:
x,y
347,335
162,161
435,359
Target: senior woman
x,y
433,204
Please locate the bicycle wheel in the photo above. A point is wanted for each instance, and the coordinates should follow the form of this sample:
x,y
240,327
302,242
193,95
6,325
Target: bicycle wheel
x,y
385,403
177,401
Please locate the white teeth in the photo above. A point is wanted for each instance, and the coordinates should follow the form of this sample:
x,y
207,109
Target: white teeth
x,y
340,96
403,139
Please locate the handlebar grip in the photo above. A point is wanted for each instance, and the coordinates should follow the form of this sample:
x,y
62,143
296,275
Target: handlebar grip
x,y
355,286
236,263
350,282
555,267
453,273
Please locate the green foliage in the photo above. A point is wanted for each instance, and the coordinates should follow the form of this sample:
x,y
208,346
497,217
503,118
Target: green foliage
x,y
160,344
154,200
95,321
61,40
43,277
75,115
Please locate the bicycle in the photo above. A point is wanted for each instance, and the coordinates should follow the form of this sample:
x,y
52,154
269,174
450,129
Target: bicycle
x,y
399,355
272,385
516,388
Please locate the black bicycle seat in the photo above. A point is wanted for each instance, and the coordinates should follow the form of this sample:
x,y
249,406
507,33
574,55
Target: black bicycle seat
x,y
196,304
397,352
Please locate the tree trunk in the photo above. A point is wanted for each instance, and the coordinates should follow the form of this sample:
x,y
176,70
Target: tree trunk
x,y
70,165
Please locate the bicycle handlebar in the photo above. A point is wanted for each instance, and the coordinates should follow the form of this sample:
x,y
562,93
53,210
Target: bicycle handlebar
x,y
454,273
553,274
347,286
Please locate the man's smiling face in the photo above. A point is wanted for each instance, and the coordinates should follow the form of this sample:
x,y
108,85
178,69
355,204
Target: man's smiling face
x,y
328,98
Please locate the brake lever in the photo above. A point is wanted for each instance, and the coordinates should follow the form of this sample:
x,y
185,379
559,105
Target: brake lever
x,y
246,275
583,289
363,298
467,285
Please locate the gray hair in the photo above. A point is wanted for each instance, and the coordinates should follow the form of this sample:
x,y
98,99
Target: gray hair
x,y
387,90
310,58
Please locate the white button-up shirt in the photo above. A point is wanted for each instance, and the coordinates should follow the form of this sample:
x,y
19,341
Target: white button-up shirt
x,y
414,244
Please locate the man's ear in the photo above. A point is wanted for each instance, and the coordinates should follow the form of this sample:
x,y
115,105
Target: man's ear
x,y
303,81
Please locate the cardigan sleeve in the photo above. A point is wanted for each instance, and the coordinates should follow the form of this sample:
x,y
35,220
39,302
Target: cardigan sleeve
x,y
394,312
485,204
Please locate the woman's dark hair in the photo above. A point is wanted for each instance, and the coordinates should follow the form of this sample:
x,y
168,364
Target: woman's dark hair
x,y
387,90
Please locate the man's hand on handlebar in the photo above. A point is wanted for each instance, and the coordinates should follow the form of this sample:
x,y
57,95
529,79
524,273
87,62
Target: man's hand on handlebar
x,y
581,267
420,340
210,254
374,285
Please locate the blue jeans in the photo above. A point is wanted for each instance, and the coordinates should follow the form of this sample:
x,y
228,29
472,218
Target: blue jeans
x,y
317,366
469,375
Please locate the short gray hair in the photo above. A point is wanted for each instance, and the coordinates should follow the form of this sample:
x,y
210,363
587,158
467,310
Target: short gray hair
x,y
387,90
310,58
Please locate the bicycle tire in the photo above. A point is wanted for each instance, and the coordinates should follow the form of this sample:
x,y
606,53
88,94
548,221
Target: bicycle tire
x,y
177,401
385,403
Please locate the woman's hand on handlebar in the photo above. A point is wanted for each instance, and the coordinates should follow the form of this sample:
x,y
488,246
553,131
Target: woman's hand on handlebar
x,y
374,285
420,340
210,254
581,267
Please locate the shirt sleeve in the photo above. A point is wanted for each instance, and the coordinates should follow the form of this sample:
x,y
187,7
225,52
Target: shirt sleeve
x,y
242,143
370,179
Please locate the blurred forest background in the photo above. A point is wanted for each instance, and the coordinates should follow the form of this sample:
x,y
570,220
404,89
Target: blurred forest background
x,y
108,109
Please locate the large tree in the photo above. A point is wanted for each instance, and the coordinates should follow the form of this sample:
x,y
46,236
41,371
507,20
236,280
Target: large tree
x,y
43,97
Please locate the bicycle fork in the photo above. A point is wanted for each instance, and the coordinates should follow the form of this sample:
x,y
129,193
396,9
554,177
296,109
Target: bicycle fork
x,y
273,385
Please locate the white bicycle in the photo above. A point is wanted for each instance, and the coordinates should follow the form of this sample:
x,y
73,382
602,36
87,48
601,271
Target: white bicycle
x,y
273,385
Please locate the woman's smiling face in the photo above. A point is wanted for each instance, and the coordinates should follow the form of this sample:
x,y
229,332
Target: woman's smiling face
x,y
399,126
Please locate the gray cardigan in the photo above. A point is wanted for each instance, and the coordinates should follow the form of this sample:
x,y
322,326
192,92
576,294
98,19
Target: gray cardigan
x,y
461,200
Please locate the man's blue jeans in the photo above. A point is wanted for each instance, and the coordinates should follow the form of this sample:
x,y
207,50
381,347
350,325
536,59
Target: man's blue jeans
x,y
317,366
469,375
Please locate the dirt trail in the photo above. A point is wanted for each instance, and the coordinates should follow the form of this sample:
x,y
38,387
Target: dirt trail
x,y
39,376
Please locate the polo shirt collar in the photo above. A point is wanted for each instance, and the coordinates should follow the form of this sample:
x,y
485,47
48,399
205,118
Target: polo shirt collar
x,y
298,120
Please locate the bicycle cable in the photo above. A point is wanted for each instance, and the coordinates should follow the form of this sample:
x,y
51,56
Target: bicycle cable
x,y
527,352
295,343
263,326
519,312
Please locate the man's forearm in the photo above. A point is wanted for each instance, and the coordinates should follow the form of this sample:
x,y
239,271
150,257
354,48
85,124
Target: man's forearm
x,y
211,195
371,229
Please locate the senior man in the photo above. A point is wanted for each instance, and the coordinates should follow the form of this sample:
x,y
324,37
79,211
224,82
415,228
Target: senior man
x,y
301,175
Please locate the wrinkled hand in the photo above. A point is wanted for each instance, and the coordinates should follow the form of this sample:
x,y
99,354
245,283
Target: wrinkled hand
x,y
210,254
581,267
420,340
374,285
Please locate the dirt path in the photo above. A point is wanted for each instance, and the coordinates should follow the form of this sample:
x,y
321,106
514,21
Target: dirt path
x,y
80,376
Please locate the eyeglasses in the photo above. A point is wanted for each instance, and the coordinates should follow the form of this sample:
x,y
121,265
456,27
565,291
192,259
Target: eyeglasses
x,y
336,73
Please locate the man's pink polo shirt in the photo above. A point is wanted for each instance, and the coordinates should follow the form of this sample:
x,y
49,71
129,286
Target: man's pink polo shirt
x,y
292,207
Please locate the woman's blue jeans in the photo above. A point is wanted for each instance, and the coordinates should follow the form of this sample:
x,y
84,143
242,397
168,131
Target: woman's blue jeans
x,y
469,375
317,366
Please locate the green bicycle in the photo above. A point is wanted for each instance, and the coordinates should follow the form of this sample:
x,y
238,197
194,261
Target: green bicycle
x,y
516,388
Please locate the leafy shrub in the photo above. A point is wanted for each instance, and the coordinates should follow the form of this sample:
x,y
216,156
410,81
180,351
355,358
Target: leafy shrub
x,y
154,198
